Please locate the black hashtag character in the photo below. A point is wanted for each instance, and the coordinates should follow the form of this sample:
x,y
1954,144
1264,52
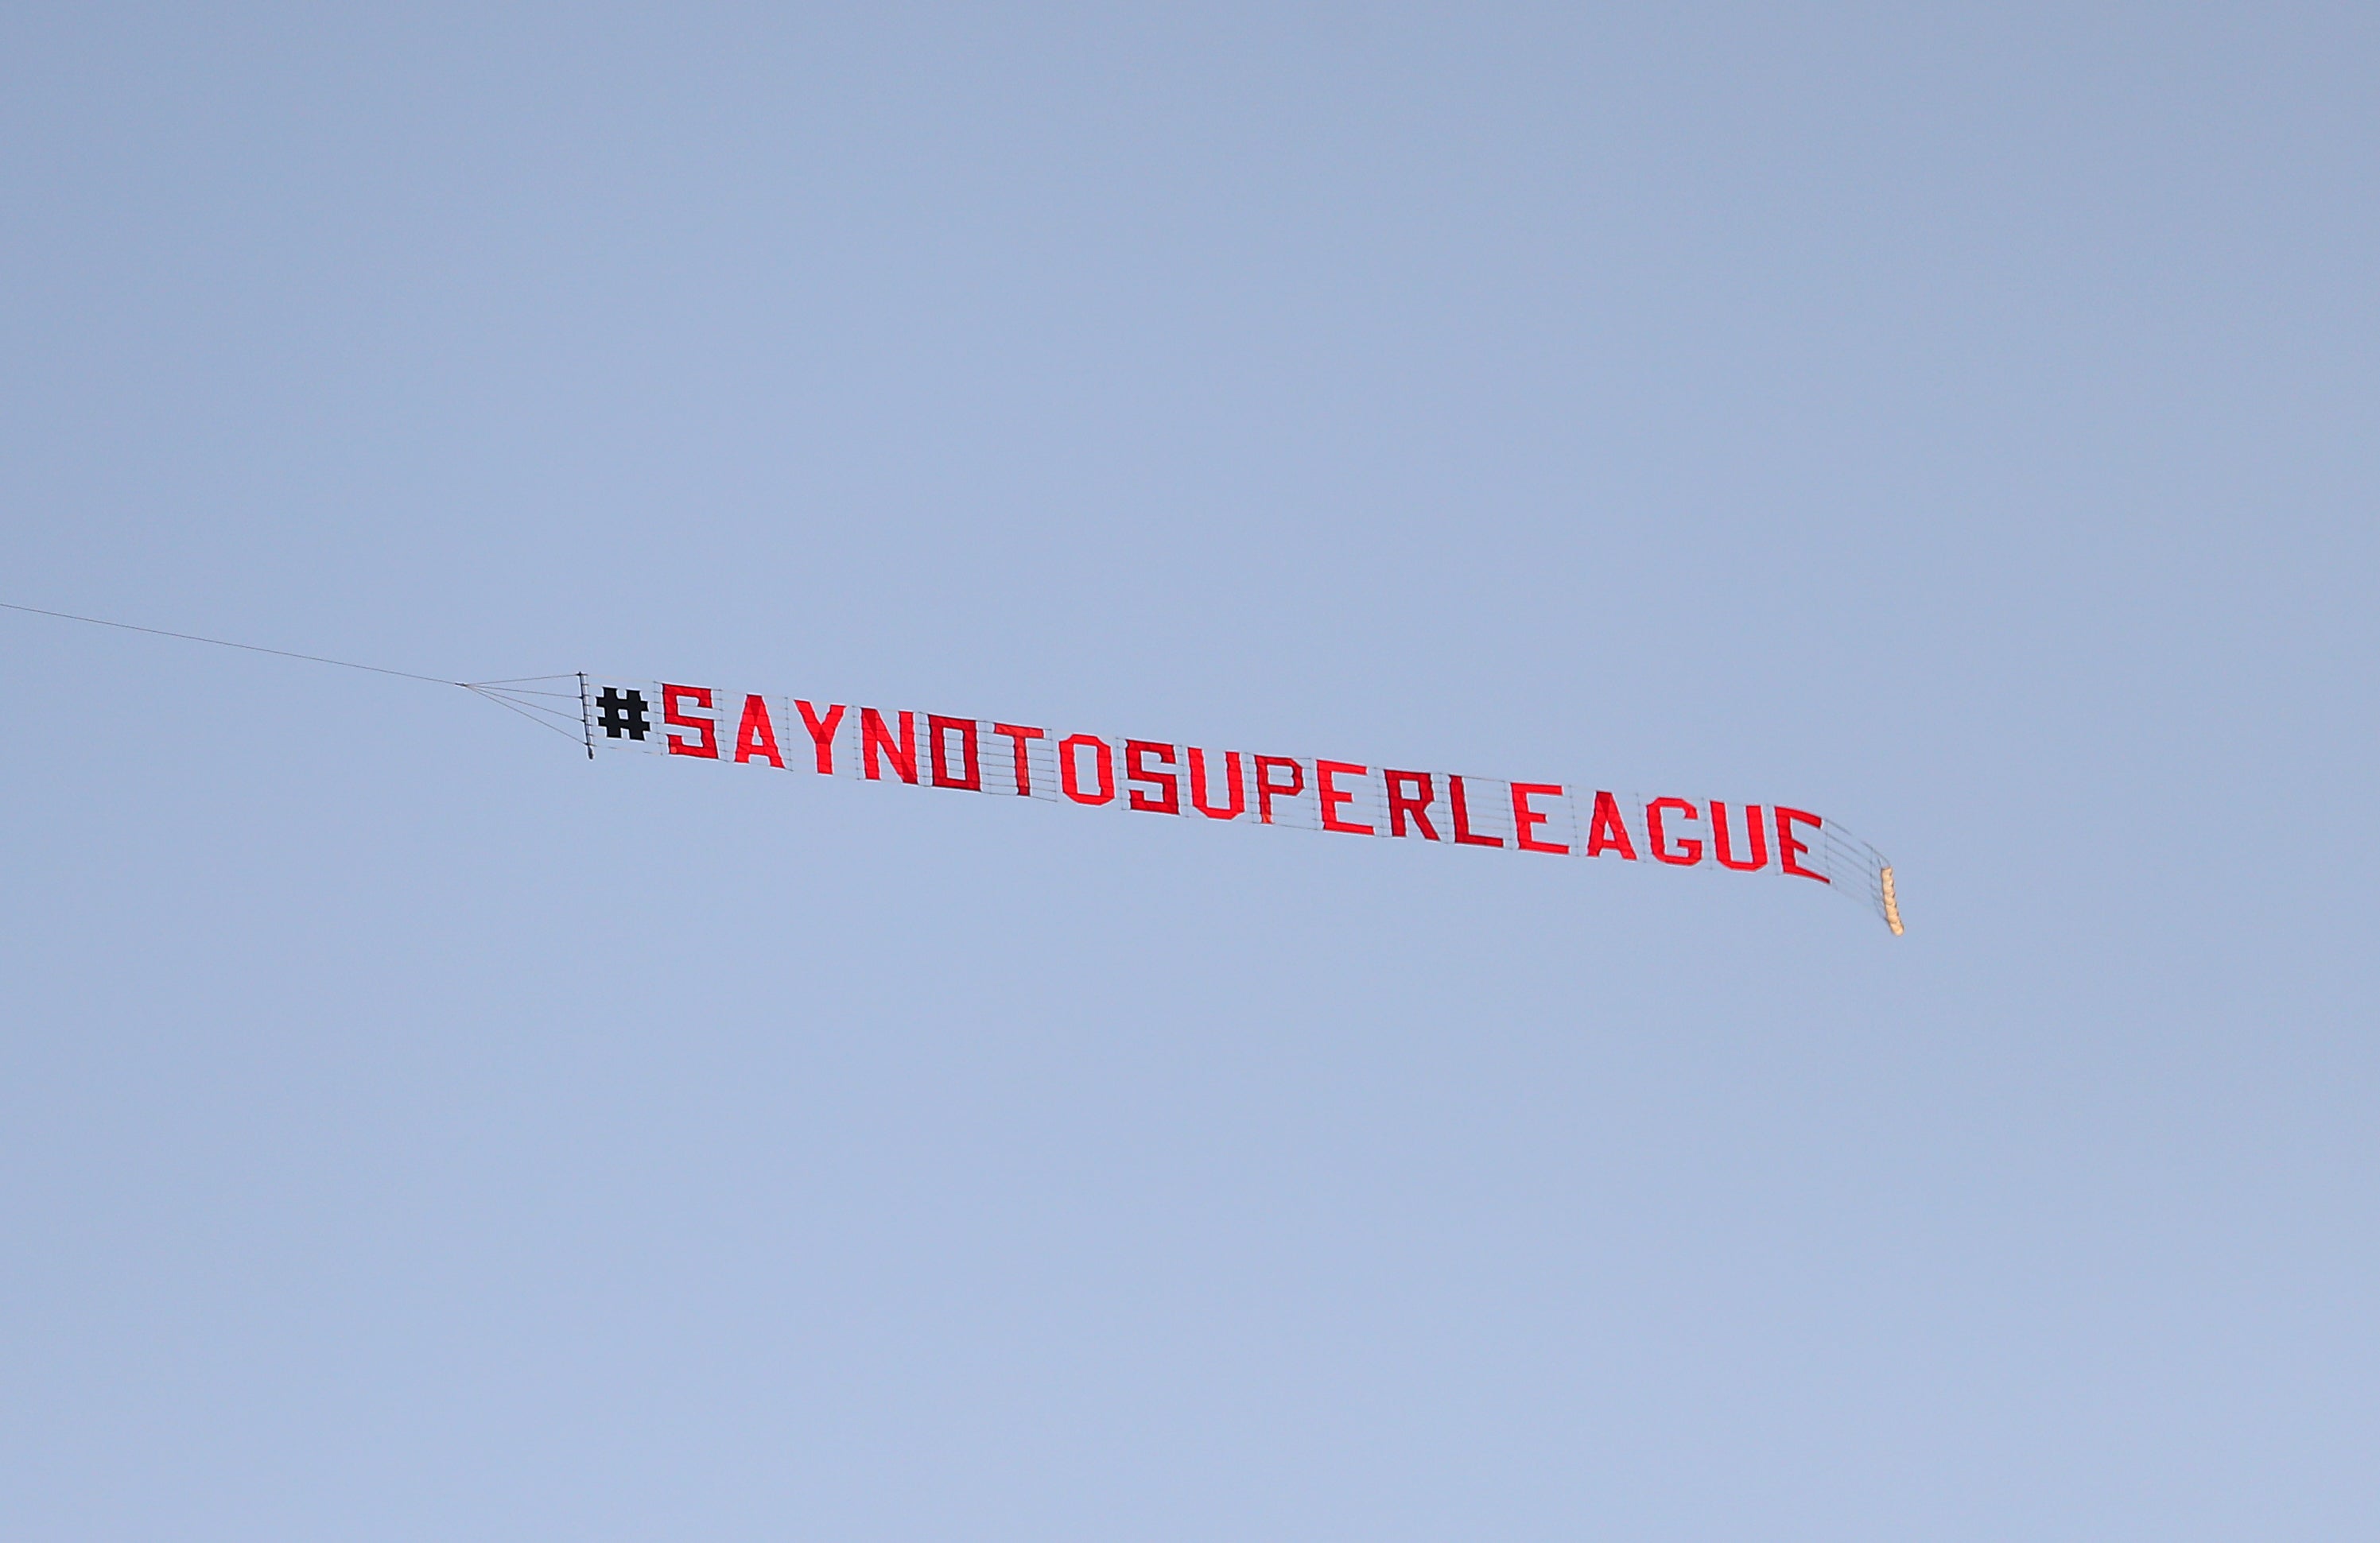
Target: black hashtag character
x,y
622,713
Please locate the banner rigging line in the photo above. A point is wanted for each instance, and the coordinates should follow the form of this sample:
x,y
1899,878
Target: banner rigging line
x,y
501,692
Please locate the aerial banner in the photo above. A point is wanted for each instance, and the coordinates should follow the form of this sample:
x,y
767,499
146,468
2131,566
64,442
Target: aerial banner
x,y
1102,770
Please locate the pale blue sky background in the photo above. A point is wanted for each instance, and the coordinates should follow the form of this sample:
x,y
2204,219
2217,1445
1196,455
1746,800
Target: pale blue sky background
x,y
1961,422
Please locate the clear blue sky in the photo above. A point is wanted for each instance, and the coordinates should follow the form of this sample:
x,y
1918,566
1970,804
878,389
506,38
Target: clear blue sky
x,y
1959,423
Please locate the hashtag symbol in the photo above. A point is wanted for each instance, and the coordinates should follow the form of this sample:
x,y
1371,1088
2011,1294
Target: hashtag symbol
x,y
622,713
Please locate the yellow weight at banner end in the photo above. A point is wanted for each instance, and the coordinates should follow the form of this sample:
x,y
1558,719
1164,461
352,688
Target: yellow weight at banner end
x,y
1892,904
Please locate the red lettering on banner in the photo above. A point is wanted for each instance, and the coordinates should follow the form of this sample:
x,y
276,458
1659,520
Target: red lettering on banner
x,y
1267,791
706,746
756,735
1402,803
874,738
1789,847
1752,824
1462,834
1066,768
1607,831
1690,851
1328,795
970,779
821,733
1018,734
1135,752
1525,819
1199,785
695,724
